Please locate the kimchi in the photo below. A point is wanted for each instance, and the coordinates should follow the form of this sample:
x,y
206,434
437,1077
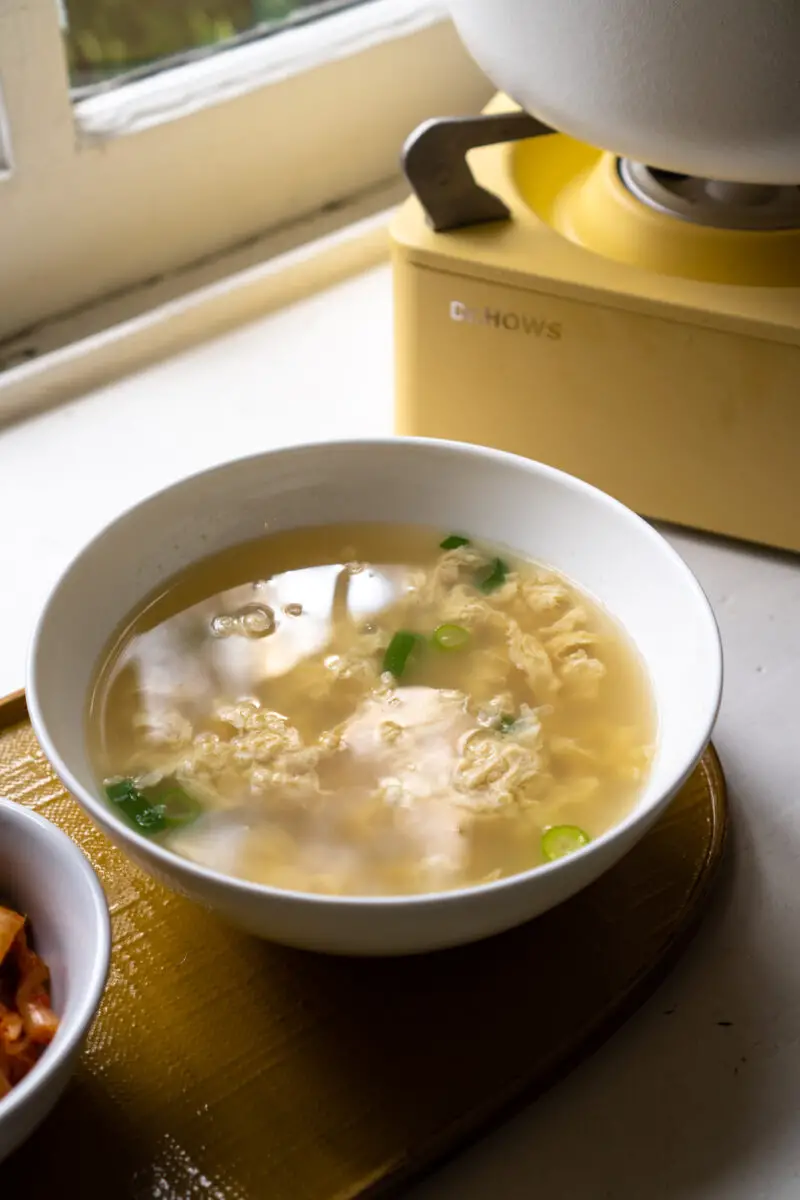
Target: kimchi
x,y
27,1021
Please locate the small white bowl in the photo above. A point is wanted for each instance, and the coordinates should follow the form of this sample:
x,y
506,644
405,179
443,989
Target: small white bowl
x,y
46,877
540,512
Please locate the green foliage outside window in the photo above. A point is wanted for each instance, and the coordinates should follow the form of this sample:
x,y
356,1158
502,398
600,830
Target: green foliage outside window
x,y
105,37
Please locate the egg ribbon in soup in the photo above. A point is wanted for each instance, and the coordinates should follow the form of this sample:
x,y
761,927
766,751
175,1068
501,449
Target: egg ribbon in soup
x,y
372,710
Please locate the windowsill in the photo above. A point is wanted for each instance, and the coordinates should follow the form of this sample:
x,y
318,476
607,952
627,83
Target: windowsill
x,y
140,182
725,1097
70,356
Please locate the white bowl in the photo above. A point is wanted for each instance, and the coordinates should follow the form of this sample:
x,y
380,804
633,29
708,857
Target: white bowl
x,y
534,509
44,875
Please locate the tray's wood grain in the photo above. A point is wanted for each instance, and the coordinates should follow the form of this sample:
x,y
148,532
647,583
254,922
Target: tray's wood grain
x,y
224,1068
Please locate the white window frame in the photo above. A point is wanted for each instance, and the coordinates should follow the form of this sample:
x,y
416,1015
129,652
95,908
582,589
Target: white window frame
x,y
130,185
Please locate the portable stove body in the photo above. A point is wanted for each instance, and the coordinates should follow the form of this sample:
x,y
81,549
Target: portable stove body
x,y
637,329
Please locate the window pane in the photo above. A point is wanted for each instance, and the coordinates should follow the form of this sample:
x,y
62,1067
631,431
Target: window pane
x,y
109,38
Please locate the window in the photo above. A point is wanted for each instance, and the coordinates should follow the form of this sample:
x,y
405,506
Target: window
x,y
139,152
106,39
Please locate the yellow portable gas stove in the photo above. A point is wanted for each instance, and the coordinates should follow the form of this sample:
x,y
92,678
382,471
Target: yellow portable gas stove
x,y
637,328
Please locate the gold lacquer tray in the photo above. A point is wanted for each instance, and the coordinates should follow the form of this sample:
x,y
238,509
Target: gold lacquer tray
x,y
225,1068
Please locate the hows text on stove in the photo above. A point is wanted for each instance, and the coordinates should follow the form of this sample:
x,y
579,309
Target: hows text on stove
x,y
513,322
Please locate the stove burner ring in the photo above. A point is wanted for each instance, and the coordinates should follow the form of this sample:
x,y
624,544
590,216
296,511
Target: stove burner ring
x,y
711,202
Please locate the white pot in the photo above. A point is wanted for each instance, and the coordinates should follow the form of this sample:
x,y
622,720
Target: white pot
x,y
707,88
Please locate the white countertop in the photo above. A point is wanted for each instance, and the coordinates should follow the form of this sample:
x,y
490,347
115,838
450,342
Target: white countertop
x,y
674,1107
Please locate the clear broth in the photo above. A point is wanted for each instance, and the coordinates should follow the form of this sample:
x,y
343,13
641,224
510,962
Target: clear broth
x,y
254,682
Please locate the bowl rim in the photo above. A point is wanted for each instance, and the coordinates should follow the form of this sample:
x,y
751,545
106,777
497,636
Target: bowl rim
x,y
168,860
39,829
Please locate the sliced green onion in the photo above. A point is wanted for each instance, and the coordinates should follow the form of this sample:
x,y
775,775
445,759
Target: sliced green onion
x,y
395,660
560,840
134,805
453,542
451,637
177,806
506,722
496,577
152,810
120,790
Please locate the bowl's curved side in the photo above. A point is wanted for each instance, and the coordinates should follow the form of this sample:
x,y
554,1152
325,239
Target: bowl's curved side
x,y
380,927
17,1125
45,875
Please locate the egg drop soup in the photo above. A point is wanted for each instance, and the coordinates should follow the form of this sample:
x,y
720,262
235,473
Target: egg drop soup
x,y
371,710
